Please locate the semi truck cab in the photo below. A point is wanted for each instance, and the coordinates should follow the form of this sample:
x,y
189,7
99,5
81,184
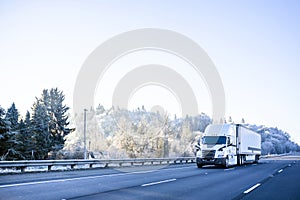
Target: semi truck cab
x,y
221,145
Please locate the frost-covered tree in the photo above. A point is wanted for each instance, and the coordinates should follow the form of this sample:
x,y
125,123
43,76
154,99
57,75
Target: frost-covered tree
x,y
243,121
4,136
9,141
230,119
53,126
53,100
95,139
12,115
26,138
274,140
40,128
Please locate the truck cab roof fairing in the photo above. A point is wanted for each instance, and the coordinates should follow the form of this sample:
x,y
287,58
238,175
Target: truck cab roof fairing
x,y
226,129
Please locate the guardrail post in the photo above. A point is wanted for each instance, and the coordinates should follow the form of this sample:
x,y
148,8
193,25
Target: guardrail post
x,y
49,167
23,169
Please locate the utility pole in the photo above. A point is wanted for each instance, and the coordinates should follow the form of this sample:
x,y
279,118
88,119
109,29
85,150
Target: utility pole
x,y
84,134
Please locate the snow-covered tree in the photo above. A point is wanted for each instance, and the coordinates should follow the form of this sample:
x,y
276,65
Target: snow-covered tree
x,y
4,136
53,100
40,128
9,144
25,138
12,115
50,122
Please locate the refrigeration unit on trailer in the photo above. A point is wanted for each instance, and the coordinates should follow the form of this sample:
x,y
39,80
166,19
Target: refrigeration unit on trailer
x,y
228,144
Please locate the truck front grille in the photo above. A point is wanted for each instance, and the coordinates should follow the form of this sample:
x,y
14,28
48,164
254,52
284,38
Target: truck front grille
x,y
208,153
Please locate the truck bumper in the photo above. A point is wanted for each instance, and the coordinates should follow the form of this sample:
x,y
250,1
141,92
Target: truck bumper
x,y
211,161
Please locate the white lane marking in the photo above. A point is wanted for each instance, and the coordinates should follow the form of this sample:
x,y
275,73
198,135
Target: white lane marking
x,y
159,182
280,171
82,178
252,188
229,169
71,179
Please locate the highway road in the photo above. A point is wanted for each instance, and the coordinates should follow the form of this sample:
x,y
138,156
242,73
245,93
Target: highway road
x,y
269,179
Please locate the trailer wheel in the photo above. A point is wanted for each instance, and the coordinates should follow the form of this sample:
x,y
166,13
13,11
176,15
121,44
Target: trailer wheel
x,y
256,159
241,160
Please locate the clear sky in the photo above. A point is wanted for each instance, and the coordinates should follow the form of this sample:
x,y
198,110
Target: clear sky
x,y
255,46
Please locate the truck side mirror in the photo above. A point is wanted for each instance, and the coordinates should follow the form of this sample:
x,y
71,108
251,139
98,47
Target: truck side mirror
x,y
228,141
197,146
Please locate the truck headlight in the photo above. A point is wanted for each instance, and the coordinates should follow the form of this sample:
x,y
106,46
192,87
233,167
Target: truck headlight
x,y
220,154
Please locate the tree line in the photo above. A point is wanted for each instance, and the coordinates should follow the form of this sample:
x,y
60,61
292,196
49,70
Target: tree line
x,y
120,133
40,133
115,133
44,132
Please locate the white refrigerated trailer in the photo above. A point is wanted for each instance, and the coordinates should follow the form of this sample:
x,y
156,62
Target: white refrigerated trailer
x,y
228,144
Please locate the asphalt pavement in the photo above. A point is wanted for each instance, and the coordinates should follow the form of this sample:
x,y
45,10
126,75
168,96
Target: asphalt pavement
x,y
269,179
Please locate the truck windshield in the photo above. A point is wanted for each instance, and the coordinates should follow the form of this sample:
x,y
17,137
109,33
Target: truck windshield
x,y
214,140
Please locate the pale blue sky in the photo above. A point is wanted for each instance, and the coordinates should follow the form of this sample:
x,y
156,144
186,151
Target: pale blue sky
x,y
255,46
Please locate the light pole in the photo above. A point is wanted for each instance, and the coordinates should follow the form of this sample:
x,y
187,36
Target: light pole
x,y
84,134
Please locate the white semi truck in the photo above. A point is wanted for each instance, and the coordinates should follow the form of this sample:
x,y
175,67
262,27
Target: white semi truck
x,y
228,144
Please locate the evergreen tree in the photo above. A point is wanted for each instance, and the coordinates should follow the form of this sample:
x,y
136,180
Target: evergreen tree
x,y
49,123
9,132
243,121
12,115
57,112
40,128
230,119
3,133
25,138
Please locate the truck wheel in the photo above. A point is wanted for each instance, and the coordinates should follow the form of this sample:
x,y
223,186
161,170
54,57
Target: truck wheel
x,y
238,160
199,165
226,163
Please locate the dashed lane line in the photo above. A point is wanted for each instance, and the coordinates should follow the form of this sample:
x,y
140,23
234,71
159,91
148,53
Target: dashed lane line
x,y
71,179
252,188
159,182
229,169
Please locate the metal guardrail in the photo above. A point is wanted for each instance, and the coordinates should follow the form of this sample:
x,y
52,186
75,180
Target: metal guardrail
x,y
22,165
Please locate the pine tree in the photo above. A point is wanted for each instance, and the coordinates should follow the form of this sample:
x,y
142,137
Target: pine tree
x,y
3,134
10,146
25,138
243,121
40,128
12,115
50,131
230,120
57,111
